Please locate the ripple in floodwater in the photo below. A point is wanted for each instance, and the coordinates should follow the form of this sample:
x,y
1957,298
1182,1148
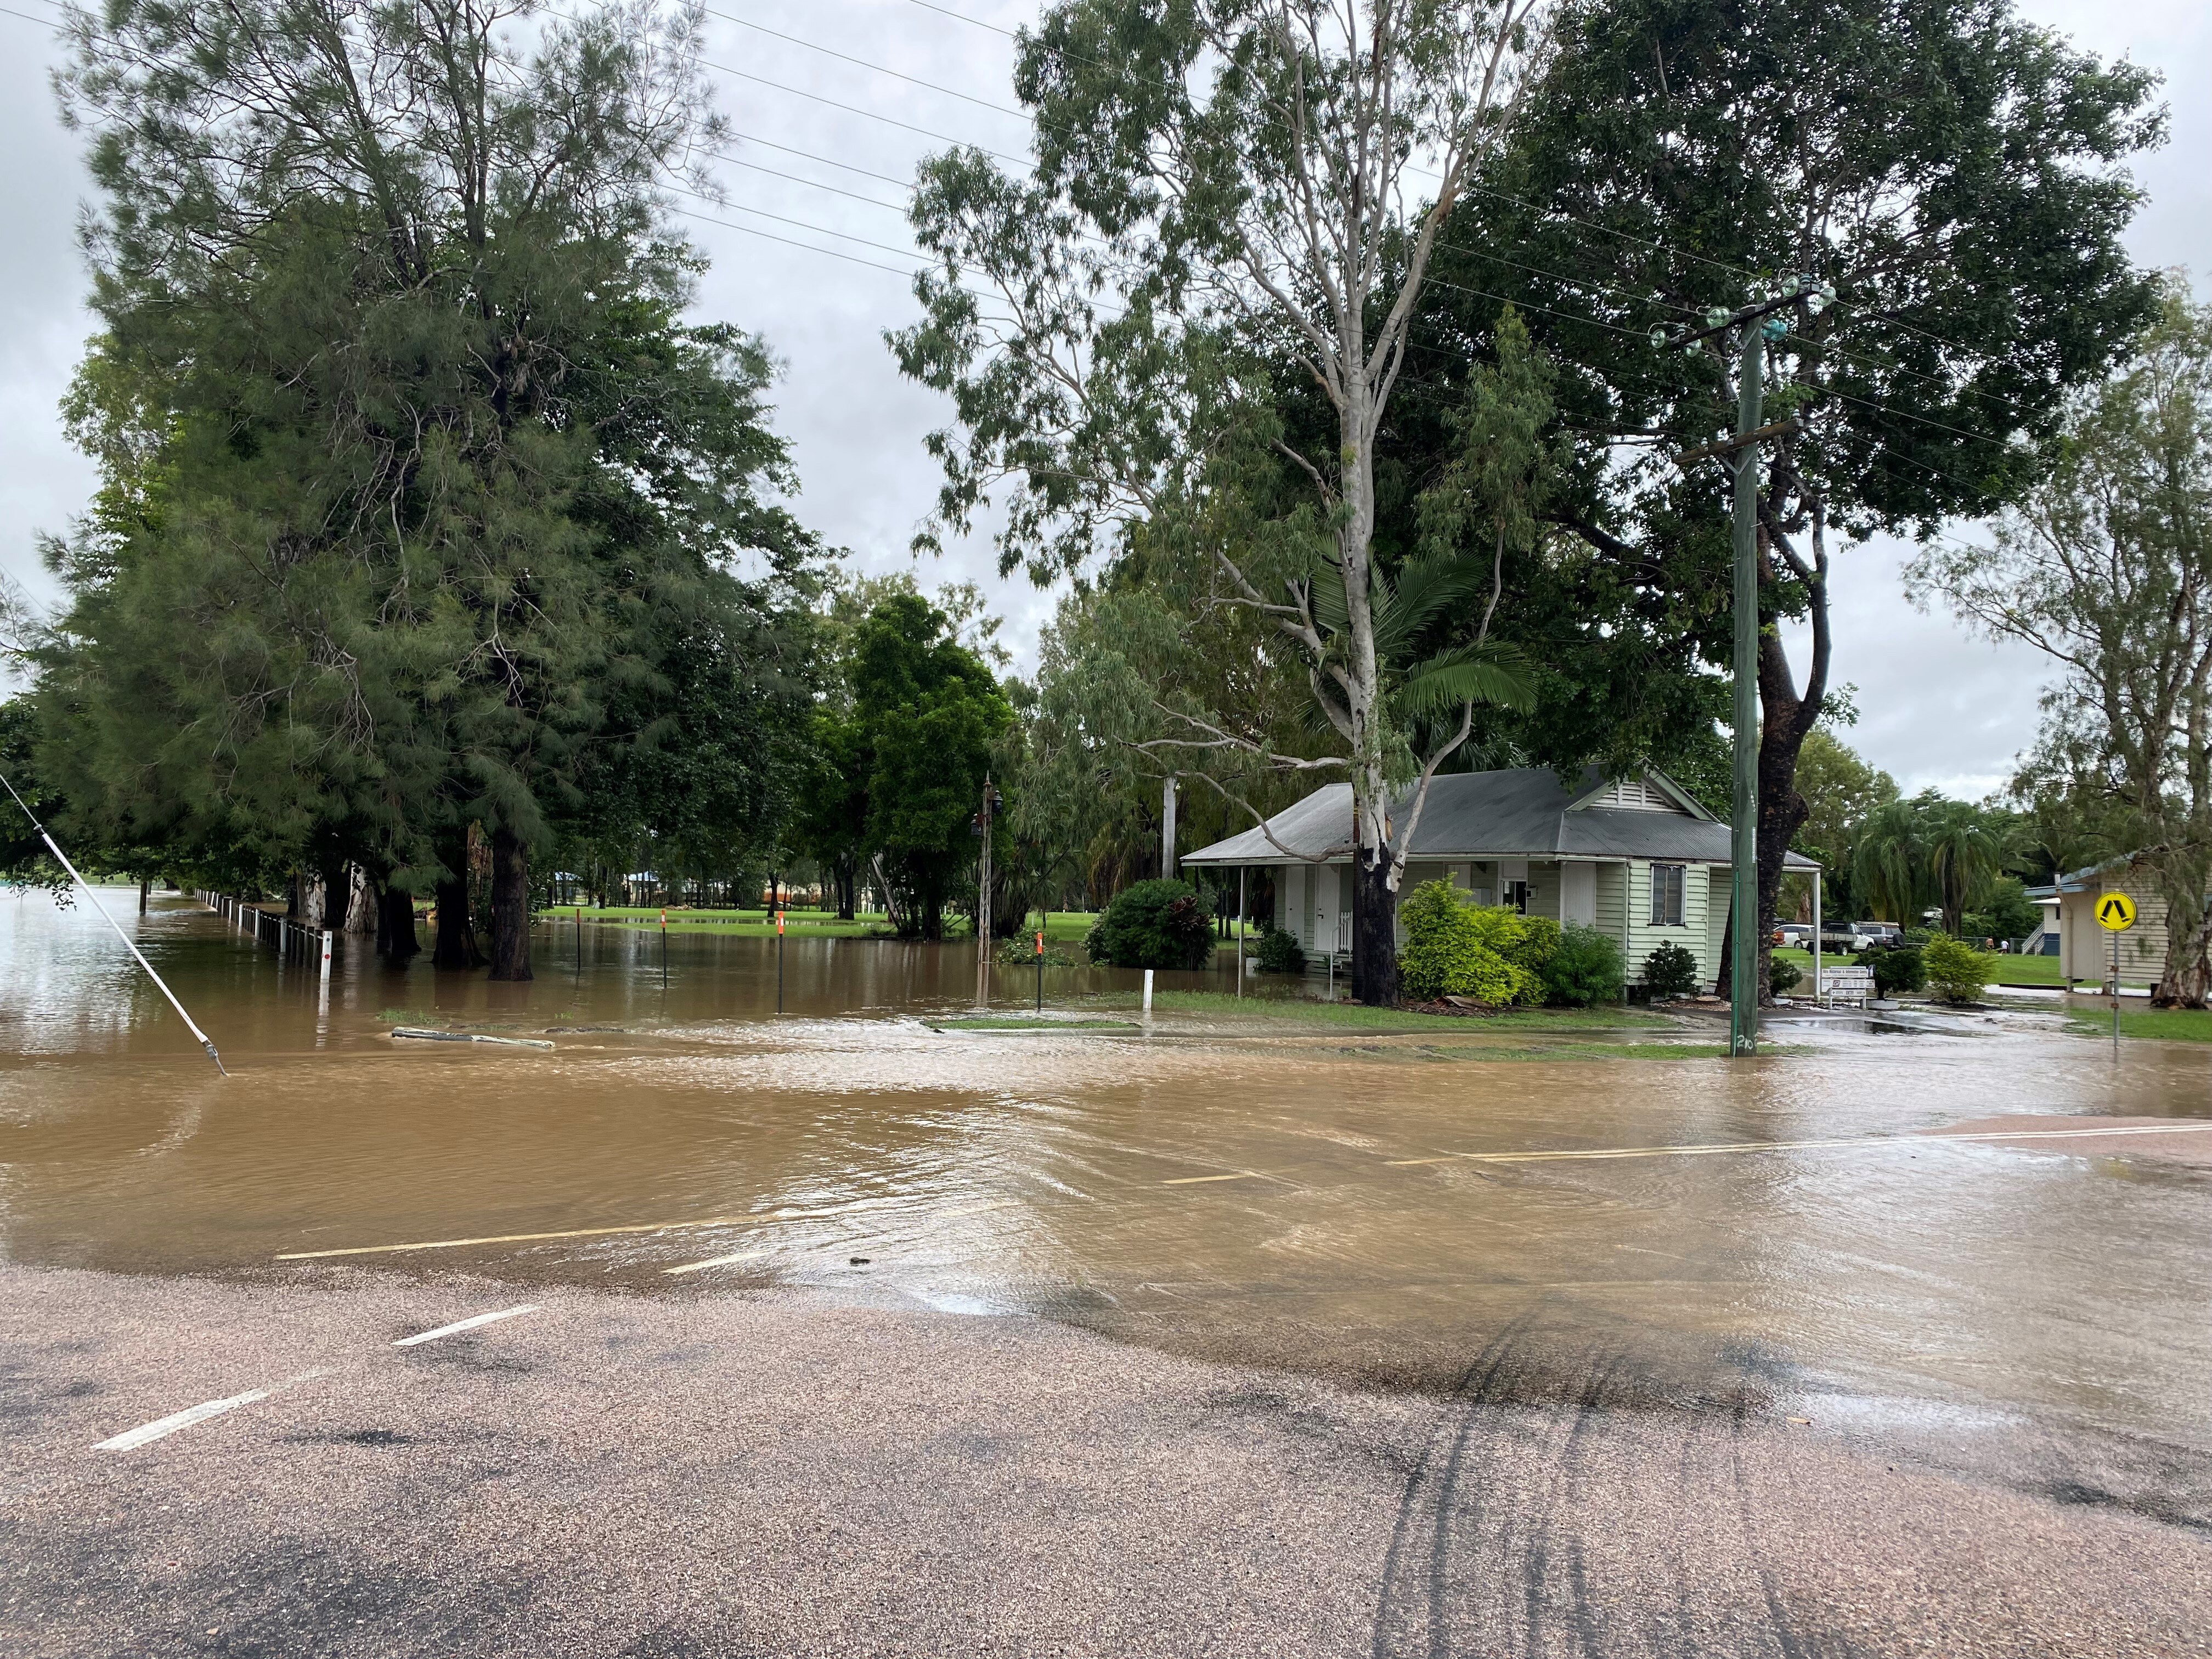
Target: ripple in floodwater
x,y
1239,1183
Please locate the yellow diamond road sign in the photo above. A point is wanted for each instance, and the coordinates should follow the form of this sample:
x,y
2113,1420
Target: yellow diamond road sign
x,y
2115,913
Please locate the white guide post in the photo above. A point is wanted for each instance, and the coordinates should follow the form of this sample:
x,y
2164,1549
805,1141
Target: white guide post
x,y
1148,992
326,953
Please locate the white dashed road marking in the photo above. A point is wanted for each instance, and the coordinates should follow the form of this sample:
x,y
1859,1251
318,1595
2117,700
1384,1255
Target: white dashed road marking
x,y
460,1325
147,1433
715,1262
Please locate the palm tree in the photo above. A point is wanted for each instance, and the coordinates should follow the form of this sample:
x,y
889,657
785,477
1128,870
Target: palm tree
x,y
1889,863
1966,848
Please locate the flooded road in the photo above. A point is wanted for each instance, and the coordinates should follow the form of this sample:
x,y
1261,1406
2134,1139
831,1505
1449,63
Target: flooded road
x,y
1319,1197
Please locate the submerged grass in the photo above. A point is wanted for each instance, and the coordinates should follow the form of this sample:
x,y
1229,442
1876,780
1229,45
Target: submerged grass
x,y
1350,1016
1605,1051
1013,1022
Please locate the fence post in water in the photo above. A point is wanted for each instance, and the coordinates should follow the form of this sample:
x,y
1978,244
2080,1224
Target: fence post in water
x,y
1148,992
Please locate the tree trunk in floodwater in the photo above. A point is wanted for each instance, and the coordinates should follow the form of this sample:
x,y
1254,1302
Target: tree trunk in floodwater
x,y
1375,934
145,887
456,944
335,888
395,925
510,907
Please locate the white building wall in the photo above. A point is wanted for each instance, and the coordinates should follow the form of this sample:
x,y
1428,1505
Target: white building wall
x,y
1578,893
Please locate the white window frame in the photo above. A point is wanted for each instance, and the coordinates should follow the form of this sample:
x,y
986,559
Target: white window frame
x,y
1676,914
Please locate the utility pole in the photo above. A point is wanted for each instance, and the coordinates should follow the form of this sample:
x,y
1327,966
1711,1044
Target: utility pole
x,y
983,898
1754,325
1743,839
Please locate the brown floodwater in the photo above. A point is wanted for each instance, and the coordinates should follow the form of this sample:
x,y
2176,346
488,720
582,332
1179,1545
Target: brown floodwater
x,y
1269,1190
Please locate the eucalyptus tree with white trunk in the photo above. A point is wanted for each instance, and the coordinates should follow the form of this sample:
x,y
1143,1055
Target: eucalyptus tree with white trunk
x,y
1223,190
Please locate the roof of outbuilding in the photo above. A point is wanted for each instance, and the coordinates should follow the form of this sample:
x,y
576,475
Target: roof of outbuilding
x,y
1522,813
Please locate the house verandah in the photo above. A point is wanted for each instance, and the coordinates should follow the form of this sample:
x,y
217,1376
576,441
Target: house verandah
x,y
1636,856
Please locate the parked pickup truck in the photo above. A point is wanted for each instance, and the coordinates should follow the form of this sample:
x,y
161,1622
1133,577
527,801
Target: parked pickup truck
x,y
1845,937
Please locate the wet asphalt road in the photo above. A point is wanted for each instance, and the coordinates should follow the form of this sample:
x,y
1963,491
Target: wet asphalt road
x,y
729,1471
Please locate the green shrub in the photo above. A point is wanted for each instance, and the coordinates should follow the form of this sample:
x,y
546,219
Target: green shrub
x,y
1956,972
1782,978
1670,971
1527,942
1448,951
1896,968
1154,924
1583,968
1279,952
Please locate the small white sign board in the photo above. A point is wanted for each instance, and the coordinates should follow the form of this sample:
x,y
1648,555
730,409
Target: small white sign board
x,y
1853,984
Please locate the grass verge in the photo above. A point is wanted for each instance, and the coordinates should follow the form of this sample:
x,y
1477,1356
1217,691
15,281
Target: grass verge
x,y
2156,1024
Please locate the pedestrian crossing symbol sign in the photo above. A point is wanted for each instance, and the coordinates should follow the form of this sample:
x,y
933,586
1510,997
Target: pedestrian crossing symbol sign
x,y
2115,913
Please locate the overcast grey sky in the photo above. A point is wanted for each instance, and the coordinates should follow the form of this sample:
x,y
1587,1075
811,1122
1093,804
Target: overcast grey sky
x,y
1936,706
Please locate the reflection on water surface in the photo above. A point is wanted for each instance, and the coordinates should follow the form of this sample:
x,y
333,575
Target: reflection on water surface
x,y
1255,1189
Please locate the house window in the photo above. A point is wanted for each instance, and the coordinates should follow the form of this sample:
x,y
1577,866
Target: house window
x,y
1667,896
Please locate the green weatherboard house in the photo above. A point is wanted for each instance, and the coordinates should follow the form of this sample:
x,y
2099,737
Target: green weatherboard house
x,y
1635,855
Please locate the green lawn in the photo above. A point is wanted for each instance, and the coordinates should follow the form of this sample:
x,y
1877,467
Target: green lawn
x,y
740,924
1061,927
2159,1024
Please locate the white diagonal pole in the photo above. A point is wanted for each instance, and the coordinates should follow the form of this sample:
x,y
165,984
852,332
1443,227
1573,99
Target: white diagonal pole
x,y
129,944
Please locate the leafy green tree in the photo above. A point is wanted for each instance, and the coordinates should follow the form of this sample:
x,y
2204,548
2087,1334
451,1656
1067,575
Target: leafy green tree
x,y
1220,189
1840,790
1954,174
412,469
928,713
2105,566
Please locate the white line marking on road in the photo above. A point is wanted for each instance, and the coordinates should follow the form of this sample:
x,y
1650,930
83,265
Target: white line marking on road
x,y
162,1428
149,1432
715,1262
1867,1142
460,1325
753,1220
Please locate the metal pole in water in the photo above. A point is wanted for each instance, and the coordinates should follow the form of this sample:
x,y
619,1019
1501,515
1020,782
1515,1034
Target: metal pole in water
x,y
664,950
779,962
131,944
1039,970
2116,998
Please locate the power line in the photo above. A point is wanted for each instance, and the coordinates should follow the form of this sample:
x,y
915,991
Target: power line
x,y
827,162
815,184
831,253
896,75
854,109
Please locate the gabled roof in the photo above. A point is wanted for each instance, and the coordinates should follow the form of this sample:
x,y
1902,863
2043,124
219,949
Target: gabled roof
x,y
1523,813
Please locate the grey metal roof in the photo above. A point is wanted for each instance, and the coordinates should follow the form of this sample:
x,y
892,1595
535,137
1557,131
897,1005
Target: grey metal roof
x,y
1523,813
